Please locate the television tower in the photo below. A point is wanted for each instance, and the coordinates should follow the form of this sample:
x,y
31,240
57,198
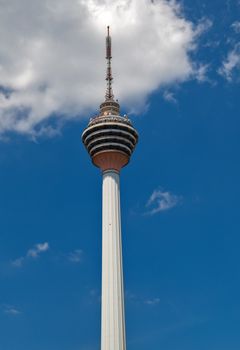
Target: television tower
x,y
110,140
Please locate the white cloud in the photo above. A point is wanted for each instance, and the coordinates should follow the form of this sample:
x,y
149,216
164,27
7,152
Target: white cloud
x,y
236,26
52,57
18,262
169,97
132,297
161,201
152,302
204,25
75,256
38,249
11,310
32,253
201,74
231,63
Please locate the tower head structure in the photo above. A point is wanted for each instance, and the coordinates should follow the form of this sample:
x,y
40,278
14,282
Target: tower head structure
x,y
109,137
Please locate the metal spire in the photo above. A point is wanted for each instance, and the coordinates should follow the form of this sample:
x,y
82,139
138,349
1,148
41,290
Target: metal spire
x,y
109,92
109,106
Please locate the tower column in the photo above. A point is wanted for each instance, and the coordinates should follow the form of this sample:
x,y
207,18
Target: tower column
x,y
110,140
113,318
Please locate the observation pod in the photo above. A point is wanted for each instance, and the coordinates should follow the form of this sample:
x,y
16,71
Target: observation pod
x,y
110,139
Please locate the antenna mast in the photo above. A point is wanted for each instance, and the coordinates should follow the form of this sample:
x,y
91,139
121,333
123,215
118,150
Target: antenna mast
x,y
109,92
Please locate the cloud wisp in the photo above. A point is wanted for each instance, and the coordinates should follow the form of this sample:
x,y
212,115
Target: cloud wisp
x,y
160,201
152,302
52,57
142,300
236,26
231,64
37,250
11,310
169,97
32,253
75,256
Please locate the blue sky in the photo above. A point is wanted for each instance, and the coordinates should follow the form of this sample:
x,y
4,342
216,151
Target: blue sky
x,y
181,252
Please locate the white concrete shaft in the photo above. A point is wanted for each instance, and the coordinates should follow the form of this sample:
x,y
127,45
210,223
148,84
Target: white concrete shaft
x,y
113,318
